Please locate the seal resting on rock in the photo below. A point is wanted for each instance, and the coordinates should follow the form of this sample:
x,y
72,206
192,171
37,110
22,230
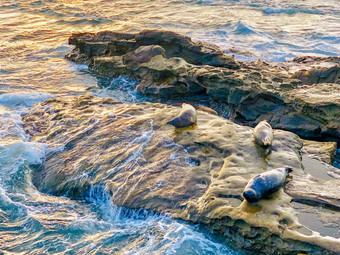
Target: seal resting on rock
x,y
263,134
262,185
186,117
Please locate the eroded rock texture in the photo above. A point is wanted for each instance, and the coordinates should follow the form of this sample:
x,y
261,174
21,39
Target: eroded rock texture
x,y
322,151
196,174
302,96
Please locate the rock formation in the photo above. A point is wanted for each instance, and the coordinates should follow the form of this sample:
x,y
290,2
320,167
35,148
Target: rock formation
x,y
322,151
302,95
196,174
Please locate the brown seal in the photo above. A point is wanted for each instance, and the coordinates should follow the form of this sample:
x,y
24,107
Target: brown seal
x,y
186,117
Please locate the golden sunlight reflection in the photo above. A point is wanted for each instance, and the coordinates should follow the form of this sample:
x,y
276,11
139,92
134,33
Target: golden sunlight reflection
x,y
35,36
104,154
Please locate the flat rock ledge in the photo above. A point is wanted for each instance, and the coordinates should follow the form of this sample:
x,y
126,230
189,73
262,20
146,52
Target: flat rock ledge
x,y
302,96
196,174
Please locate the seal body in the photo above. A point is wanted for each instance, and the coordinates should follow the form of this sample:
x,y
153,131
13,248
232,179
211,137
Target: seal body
x,y
186,117
263,185
263,134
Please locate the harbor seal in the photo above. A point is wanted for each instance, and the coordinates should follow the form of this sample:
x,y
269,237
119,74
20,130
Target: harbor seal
x,y
263,134
262,185
187,117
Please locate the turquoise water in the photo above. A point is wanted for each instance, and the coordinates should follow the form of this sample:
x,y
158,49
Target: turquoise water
x,y
33,42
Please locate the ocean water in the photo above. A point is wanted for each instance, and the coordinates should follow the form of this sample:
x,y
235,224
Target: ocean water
x,y
33,42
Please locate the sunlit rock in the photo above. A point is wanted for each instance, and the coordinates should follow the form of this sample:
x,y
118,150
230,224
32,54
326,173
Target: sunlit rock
x,y
169,65
318,70
196,174
322,151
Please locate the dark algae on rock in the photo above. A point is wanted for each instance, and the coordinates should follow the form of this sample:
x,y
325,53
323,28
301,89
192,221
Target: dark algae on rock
x,y
196,173
302,95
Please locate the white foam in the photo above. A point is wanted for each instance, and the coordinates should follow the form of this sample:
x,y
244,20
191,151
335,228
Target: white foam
x,y
121,89
32,152
19,100
183,236
11,125
12,106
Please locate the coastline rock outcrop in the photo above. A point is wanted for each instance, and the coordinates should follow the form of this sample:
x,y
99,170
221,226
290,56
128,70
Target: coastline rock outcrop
x,y
196,174
318,70
293,95
175,45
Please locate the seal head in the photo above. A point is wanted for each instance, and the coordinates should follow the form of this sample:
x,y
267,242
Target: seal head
x,y
187,117
263,134
251,195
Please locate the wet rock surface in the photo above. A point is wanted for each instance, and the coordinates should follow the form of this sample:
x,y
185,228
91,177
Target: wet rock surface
x,y
302,95
196,174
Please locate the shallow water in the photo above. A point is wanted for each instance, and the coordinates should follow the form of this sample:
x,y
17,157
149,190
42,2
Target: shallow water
x,y
33,42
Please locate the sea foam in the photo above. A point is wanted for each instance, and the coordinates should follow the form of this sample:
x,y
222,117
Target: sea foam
x,y
19,100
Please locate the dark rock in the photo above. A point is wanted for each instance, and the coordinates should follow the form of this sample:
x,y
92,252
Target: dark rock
x,y
175,45
291,95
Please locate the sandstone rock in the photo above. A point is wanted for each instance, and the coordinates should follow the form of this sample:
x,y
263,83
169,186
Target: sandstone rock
x,y
323,151
195,174
318,70
169,65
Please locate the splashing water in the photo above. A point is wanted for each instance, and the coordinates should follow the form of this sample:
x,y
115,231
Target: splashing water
x,y
32,69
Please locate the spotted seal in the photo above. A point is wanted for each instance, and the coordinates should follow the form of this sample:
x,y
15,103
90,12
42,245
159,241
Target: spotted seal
x,y
186,117
263,134
264,184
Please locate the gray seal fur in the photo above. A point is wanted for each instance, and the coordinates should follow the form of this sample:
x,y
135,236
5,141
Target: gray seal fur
x,y
187,117
263,134
264,184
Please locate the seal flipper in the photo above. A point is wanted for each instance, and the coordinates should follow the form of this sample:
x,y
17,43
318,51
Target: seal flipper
x,y
266,142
